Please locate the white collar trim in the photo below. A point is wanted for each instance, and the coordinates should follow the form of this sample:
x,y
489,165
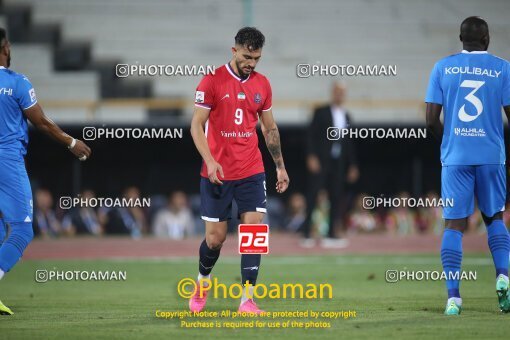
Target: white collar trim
x,y
2,68
227,65
474,52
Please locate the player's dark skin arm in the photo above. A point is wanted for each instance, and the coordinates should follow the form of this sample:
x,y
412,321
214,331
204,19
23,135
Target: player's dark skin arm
x,y
434,124
507,113
37,117
272,137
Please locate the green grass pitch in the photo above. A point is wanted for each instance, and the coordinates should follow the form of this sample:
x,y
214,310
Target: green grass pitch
x,y
126,309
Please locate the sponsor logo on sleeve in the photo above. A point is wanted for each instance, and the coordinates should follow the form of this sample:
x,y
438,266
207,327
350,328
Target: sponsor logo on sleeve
x,y
199,97
31,92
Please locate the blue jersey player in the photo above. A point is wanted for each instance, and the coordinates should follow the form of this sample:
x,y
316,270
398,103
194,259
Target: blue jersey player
x,y
18,103
471,87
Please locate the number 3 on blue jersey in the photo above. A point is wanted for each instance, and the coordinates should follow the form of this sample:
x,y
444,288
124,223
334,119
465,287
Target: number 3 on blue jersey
x,y
475,85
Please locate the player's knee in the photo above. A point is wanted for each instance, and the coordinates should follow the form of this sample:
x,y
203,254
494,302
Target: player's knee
x,y
488,220
456,224
254,221
214,244
215,241
252,218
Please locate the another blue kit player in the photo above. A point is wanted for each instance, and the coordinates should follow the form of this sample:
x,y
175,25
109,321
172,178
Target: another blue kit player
x,y
470,88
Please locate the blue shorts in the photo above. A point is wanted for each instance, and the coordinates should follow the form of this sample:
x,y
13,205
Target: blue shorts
x,y
216,200
463,182
15,192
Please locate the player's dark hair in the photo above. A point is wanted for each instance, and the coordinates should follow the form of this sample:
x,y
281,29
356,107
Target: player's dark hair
x,y
3,35
474,30
250,37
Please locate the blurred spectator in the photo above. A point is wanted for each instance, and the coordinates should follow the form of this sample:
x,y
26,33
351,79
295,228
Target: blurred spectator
x,y
122,220
276,213
361,219
82,220
46,223
475,222
296,212
331,161
401,220
176,220
430,219
194,202
158,202
320,214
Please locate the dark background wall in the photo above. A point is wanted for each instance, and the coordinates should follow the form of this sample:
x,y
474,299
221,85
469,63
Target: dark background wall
x,y
160,166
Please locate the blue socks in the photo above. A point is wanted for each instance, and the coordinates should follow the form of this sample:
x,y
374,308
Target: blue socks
x,y
451,253
13,247
3,231
451,258
499,244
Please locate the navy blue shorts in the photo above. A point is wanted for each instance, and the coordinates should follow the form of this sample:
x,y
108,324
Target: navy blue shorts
x,y
216,200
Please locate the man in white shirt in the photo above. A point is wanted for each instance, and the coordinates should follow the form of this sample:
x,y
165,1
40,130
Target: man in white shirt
x,y
175,221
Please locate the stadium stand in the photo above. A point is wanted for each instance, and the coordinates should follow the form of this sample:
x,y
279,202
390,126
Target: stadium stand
x,y
170,32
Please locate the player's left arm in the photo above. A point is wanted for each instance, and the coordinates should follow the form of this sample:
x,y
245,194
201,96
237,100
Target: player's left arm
x,y
507,113
506,93
434,124
27,100
43,123
272,137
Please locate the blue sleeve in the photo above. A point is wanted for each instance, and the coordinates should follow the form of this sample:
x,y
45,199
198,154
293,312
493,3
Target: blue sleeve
x,y
505,93
25,93
434,91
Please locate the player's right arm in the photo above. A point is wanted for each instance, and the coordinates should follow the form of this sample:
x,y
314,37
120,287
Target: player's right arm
x,y
434,124
434,100
200,117
37,117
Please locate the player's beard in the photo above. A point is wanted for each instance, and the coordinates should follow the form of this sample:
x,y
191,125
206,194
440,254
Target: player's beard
x,y
240,70
9,60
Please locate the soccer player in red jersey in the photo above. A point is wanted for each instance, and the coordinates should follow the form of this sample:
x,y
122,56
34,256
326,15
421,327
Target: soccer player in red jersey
x,y
228,105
